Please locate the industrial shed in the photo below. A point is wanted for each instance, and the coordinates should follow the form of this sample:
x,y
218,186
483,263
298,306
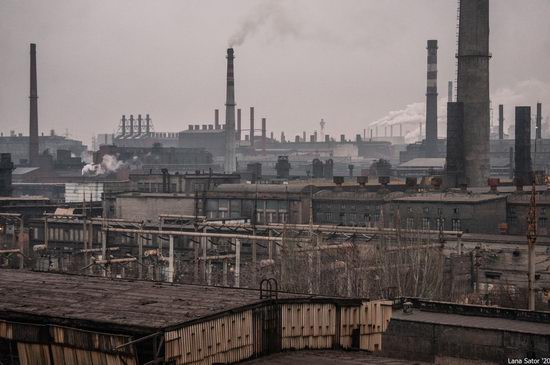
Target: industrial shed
x,y
49,318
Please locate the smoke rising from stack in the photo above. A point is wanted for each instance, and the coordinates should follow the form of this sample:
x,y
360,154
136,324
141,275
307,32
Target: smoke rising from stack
x,y
410,117
109,164
268,14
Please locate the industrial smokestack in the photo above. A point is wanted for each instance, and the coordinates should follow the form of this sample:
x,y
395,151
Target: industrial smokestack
x,y
123,130
139,125
539,121
147,124
230,163
251,126
455,146
501,122
131,129
473,88
217,118
33,112
450,92
239,128
523,168
264,134
431,100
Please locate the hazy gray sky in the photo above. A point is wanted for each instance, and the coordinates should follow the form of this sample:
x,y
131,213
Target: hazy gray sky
x,y
350,61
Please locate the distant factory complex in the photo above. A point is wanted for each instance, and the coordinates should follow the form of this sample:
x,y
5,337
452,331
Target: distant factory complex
x,y
217,227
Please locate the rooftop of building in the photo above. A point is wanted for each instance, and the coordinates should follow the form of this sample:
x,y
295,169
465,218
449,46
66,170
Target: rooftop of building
x,y
450,197
203,131
480,322
24,170
263,188
23,198
130,305
474,316
359,194
424,163
328,357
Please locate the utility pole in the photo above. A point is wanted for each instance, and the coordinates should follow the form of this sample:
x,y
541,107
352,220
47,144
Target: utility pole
x,y
531,241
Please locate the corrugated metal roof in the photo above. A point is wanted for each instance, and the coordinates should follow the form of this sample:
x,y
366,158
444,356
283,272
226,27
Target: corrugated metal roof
x,y
144,304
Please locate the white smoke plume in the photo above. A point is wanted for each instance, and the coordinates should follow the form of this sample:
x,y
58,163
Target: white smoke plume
x,y
270,14
410,119
527,92
108,164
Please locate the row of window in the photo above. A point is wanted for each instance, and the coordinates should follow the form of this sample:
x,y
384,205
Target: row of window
x,y
237,205
352,207
426,224
346,218
263,217
154,187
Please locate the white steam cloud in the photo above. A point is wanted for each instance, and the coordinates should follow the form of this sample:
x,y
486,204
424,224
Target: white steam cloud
x,y
410,118
108,164
527,92
271,15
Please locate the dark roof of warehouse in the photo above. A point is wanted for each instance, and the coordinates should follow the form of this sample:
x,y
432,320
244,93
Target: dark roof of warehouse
x,y
129,305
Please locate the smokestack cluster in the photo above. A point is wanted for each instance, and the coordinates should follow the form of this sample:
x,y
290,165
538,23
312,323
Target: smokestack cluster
x,y
33,111
129,129
230,164
523,168
431,100
473,88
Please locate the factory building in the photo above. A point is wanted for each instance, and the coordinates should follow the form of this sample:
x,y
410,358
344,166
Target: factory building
x,y
153,194
176,159
137,133
18,146
262,203
481,213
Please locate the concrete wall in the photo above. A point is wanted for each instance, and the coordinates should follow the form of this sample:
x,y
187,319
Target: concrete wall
x,y
482,217
149,207
444,344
